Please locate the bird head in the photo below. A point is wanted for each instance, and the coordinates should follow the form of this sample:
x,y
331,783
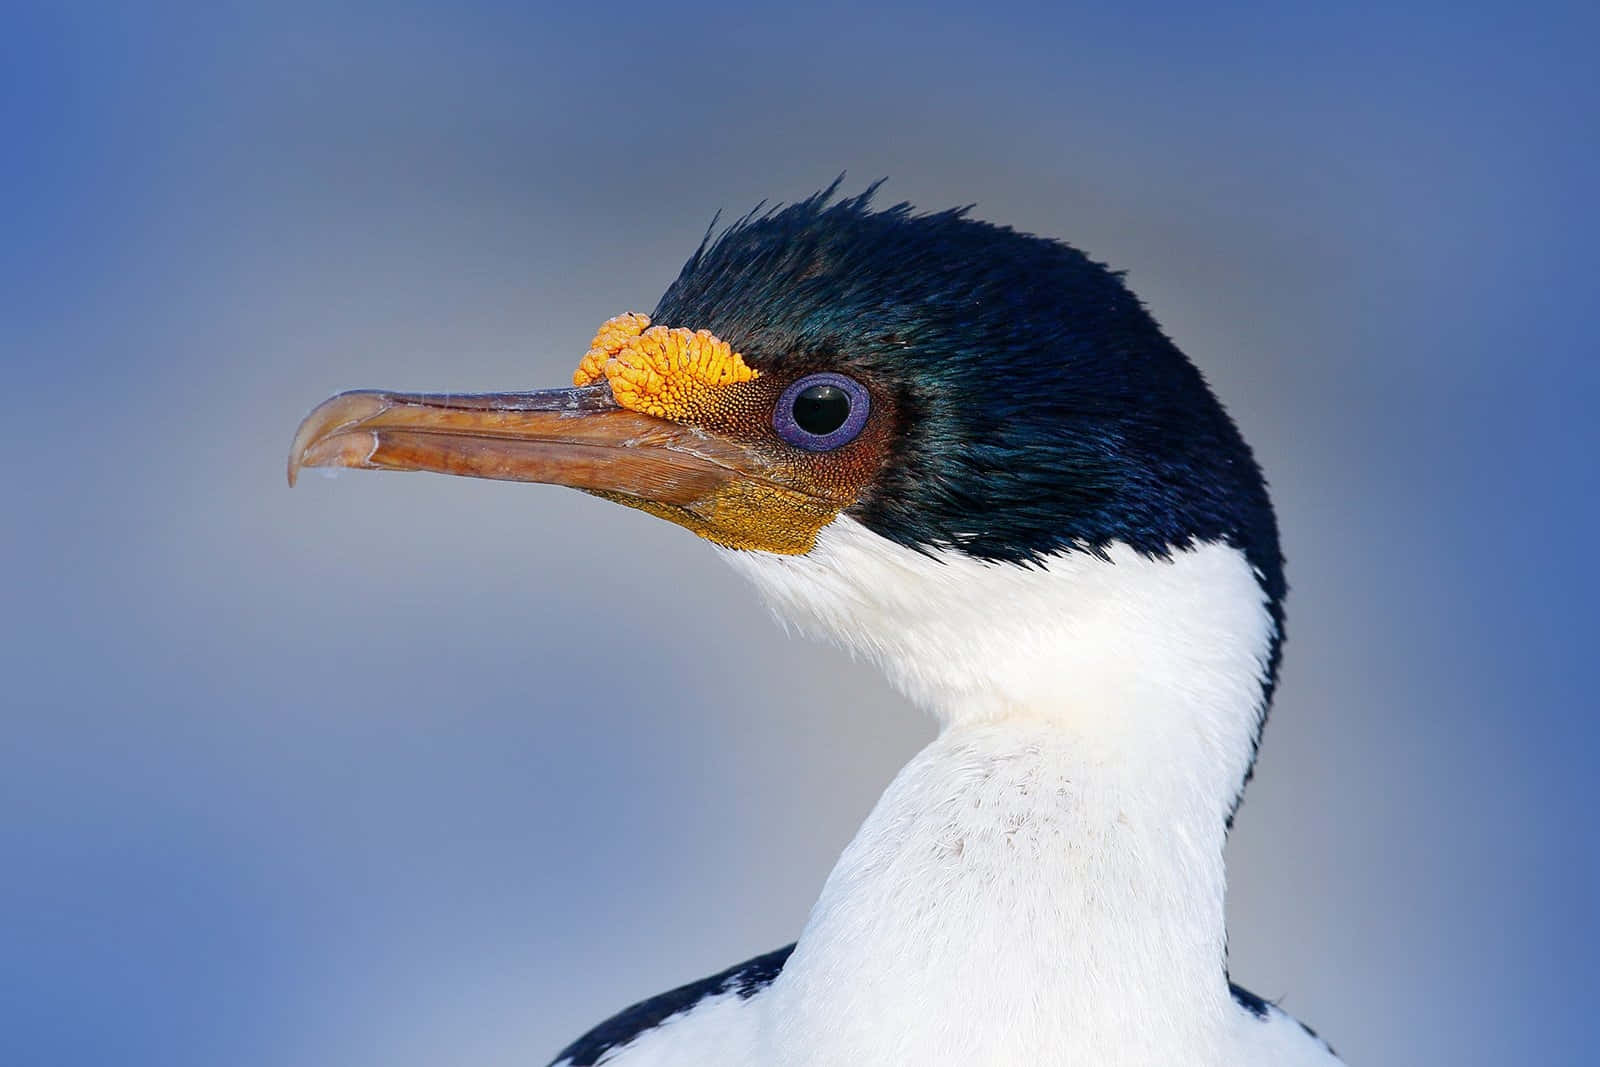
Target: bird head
x,y
968,452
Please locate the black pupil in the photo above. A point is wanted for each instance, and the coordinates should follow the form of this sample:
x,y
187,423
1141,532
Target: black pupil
x,y
821,409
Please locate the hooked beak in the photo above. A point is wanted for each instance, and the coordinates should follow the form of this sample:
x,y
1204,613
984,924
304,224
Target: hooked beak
x,y
574,437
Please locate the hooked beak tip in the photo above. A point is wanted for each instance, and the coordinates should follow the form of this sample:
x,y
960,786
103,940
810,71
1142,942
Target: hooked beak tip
x,y
325,437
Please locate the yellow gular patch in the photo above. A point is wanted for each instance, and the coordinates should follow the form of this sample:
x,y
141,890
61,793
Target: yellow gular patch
x,y
666,373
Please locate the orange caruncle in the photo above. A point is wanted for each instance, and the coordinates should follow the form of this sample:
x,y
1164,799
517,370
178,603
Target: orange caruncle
x,y
660,371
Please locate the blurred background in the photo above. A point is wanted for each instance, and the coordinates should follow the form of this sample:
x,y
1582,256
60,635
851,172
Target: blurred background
x,y
341,776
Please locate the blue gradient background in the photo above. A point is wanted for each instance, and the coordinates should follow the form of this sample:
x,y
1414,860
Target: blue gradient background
x,y
408,770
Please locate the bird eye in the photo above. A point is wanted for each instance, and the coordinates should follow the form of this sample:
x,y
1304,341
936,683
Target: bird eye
x,y
820,412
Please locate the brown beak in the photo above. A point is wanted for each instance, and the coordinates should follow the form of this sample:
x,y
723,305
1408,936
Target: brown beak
x,y
574,437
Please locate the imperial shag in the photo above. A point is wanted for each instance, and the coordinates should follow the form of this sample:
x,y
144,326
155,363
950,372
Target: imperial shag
x,y
971,455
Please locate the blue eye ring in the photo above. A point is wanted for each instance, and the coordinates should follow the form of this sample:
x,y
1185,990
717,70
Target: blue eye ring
x,y
821,412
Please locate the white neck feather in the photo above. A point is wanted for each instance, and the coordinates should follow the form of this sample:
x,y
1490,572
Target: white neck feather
x,y
1044,882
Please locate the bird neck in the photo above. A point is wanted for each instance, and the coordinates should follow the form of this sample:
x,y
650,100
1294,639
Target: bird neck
x,y
1045,880
1014,898
1158,665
